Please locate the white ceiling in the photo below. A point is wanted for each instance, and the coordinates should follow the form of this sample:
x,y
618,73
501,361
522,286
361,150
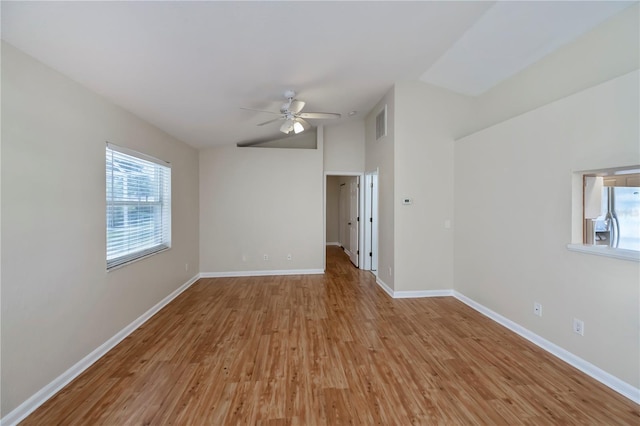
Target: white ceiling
x,y
188,67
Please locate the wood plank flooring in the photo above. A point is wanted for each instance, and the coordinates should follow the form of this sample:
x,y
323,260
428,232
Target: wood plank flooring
x,y
327,350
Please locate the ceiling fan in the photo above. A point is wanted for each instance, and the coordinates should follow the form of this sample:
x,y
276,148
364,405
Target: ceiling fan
x,y
294,118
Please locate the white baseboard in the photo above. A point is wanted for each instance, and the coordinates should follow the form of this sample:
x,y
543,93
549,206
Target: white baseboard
x,y
334,244
421,293
27,407
260,273
384,286
620,386
412,294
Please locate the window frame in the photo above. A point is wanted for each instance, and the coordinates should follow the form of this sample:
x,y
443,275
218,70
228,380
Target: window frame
x,y
580,204
161,225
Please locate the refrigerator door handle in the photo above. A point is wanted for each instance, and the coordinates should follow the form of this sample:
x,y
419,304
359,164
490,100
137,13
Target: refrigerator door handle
x,y
611,219
615,225
615,241
608,220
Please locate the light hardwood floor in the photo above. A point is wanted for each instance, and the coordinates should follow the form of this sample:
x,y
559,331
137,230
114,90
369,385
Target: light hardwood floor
x,y
327,350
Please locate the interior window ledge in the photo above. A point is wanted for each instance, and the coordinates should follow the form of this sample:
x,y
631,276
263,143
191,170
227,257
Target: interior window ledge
x,y
606,251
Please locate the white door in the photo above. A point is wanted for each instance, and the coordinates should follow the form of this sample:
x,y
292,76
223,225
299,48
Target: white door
x,y
343,217
374,223
371,223
354,219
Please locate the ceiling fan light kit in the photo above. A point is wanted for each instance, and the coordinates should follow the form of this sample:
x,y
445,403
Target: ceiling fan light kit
x,y
287,126
292,125
291,113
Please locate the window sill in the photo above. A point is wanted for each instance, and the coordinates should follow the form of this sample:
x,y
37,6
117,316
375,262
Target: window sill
x,y
138,258
606,251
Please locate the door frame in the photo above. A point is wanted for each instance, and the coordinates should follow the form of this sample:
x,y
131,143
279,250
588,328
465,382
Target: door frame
x,y
360,215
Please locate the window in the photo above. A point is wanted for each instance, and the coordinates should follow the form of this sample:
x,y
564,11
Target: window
x,y
138,205
612,209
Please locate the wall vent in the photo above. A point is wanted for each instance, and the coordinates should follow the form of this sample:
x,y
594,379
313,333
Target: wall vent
x,y
381,123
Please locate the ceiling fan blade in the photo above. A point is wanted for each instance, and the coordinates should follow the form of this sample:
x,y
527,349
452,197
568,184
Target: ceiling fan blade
x,y
296,106
319,115
270,121
260,110
304,123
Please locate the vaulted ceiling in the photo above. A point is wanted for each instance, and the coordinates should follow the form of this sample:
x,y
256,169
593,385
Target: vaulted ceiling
x,y
189,67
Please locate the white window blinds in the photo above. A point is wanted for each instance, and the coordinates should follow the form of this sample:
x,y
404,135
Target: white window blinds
x,y
138,205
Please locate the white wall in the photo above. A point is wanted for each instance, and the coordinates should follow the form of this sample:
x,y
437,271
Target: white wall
x,y
344,147
513,191
256,201
58,301
425,121
379,155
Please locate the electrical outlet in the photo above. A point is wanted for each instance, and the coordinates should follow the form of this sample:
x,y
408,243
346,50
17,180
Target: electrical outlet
x,y
578,326
266,257
186,267
537,309
390,272
244,257
289,257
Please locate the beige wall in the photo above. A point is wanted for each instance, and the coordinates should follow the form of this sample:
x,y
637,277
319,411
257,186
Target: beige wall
x,y
344,147
379,155
608,51
305,140
513,191
425,120
58,301
256,201
332,205
344,152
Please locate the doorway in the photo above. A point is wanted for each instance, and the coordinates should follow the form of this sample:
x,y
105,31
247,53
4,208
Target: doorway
x,y
344,207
